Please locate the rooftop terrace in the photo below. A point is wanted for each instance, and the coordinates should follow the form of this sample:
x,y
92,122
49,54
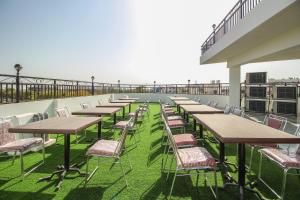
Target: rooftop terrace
x,y
146,180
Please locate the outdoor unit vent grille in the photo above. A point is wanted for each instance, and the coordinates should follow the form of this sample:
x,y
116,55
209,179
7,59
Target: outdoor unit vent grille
x,y
286,92
258,92
257,106
286,108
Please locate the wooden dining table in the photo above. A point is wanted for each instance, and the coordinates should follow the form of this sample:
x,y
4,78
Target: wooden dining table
x,y
178,103
198,109
130,101
111,105
128,98
99,112
59,125
232,129
173,98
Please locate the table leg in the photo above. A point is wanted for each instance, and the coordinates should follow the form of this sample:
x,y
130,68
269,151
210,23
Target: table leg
x,y
201,131
194,126
123,112
130,107
187,117
99,129
178,109
67,151
222,152
241,167
115,118
63,170
184,114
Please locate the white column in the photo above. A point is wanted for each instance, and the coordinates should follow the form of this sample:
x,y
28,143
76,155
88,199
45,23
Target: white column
x,y
234,85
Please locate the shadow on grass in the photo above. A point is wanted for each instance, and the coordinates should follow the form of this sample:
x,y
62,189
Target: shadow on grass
x,y
154,155
25,195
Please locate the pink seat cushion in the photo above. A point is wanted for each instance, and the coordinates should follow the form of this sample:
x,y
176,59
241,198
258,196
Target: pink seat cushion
x,y
195,157
21,145
176,123
185,139
274,123
103,148
175,117
282,158
121,124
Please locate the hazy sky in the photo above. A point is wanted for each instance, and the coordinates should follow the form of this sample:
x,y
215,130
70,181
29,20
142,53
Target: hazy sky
x,y
136,41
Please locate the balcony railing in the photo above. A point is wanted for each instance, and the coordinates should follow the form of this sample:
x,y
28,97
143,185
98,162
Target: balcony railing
x,y
235,15
36,88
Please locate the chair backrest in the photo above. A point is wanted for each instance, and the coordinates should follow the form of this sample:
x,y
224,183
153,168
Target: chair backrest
x,y
5,136
121,142
209,103
227,109
238,112
275,121
85,105
173,144
62,112
214,104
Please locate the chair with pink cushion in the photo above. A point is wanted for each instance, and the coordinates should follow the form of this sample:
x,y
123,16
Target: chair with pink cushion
x,y
8,143
287,159
130,124
273,121
113,149
194,159
183,140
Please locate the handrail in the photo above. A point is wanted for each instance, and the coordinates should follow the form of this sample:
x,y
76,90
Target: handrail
x,y
238,12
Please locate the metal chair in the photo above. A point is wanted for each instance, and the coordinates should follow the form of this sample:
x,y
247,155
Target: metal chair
x,y
237,112
85,105
191,159
287,159
273,121
130,124
108,149
182,141
64,112
8,143
227,109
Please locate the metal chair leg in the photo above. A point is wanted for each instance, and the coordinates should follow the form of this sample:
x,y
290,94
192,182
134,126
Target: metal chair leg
x,y
87,170
14,157
22,165
283,183
123,172
170,167
172,184
251,158
216,184
259,167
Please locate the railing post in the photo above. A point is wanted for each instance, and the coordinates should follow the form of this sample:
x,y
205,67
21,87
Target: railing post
x,y
176,89
241,8
17,88
18,68
54,88
166,89
77,88
219,88
93,87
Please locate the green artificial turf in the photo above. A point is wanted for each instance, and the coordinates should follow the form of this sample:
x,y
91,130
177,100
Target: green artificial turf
x,y
146,181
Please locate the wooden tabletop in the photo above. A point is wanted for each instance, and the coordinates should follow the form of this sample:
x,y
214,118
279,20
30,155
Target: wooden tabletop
x,y
124,98
186,102
178,98
57,125
113,105
234,129
200,109
98,111
123,101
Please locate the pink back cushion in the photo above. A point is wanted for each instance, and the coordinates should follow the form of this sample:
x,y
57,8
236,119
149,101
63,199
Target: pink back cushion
x,y
275,123
5,136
